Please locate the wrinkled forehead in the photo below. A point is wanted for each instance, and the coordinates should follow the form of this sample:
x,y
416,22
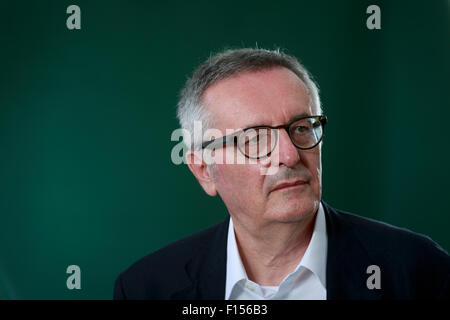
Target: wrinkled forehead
x,y
270,97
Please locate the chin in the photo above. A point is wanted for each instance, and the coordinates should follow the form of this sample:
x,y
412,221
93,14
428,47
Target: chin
x,y
295,210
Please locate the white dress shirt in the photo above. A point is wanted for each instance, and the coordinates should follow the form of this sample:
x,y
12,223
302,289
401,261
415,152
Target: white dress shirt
x,y
306,282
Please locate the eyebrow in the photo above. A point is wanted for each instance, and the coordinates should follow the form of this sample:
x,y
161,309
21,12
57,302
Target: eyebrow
x,y
291,119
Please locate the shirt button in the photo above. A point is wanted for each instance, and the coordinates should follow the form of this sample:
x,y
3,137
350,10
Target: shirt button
x,y
250,286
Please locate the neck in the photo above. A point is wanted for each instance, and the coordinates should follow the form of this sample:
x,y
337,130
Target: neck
x,y
273,251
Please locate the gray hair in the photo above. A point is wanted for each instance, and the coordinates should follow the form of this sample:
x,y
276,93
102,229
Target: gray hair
x,y
224,65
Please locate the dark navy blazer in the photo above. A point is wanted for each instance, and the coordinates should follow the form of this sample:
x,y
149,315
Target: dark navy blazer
x,y
412,266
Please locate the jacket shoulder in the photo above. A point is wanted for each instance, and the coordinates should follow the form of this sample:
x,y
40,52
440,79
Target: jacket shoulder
x,y
376,234
409,260
161,272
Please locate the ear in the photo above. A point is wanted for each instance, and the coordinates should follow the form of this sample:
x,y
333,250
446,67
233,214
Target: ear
x,y
201,171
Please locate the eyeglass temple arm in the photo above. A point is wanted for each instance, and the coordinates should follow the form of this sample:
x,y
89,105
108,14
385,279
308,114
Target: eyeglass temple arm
x,y
219,141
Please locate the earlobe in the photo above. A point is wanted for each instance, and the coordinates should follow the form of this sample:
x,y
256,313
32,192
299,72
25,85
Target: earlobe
x,y
201,171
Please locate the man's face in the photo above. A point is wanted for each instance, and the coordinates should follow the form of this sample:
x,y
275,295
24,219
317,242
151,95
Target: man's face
x,y
271,97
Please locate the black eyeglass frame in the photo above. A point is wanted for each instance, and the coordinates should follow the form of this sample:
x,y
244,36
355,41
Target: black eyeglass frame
x,y
220,142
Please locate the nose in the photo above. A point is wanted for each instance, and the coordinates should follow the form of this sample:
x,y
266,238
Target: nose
x,y
285,151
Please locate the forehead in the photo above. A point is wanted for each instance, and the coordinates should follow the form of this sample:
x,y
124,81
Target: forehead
x,y
268,97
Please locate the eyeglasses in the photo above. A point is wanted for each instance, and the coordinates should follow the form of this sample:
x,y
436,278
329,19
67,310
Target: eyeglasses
x,y
259,142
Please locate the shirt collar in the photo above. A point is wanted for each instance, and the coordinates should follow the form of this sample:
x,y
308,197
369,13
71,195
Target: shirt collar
x,y
314,258
235,269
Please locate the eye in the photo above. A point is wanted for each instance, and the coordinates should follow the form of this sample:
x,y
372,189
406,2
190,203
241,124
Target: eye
x,y
256,136
316,124
301,129
254,139
251,139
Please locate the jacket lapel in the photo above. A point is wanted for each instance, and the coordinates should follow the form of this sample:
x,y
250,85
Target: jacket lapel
x,y
347,261
207,270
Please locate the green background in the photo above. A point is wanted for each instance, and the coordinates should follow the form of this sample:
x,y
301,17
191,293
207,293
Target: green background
x,y
86,118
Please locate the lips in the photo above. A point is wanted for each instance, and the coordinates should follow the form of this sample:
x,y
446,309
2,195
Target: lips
x,y
285,185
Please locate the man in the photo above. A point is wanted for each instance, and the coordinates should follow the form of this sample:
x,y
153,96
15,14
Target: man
x,y
281,240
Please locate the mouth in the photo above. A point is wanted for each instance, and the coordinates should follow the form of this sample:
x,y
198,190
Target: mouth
x,y
290,185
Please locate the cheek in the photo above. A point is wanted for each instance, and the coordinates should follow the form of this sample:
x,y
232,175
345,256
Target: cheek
x,y
312,161
239,181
